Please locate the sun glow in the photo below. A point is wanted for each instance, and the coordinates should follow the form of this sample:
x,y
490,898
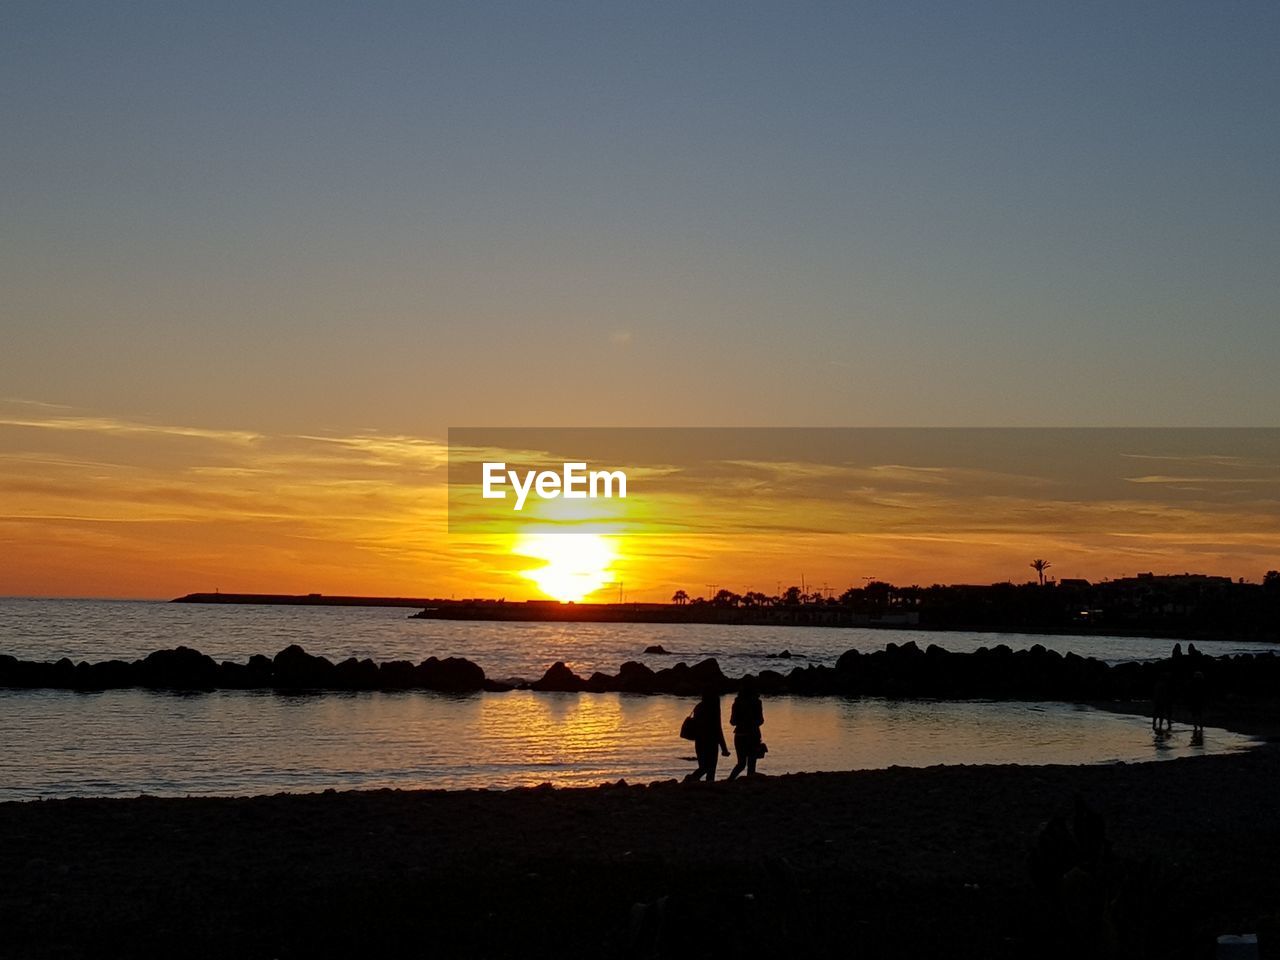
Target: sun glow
x,y
575,565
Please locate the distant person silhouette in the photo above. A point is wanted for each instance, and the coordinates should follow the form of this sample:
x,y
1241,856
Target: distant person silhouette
x,y
1162,705
708,736
746,717
1195,702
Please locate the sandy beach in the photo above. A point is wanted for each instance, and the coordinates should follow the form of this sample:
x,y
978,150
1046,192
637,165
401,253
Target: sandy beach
x,y
892,863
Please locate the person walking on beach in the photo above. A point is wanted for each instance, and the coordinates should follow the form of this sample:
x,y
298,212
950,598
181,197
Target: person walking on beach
x,y
1162,706
708,735
1195,702
746,717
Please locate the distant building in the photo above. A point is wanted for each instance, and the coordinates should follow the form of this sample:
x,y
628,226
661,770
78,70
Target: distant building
x,y
1151,580
1163,595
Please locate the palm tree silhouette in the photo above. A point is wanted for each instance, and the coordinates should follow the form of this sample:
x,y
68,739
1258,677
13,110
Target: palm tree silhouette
x,y
680,597
1040,566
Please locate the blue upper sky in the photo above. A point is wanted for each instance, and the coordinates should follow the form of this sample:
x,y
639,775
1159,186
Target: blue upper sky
x,y
400,216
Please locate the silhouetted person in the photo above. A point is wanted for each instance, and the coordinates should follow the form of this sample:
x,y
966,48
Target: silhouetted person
x,y
1162,705
1195,702
746,717
708,736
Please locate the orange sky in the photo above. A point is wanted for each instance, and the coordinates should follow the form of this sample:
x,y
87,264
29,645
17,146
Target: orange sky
x,y
95,505
253,266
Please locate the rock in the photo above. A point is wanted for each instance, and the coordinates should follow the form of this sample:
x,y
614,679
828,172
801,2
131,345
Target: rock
x,y
560,678
454,674
685,680
657,649
848,661
353,674
707,673
295,669
233,676
634,677
107,675
771,682
896,671
810,680
397,675
601,683
179,669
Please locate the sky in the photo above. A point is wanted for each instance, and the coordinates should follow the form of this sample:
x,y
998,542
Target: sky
x,y
368,223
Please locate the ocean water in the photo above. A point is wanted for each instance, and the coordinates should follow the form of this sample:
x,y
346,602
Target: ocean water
x,y
126,742
103,629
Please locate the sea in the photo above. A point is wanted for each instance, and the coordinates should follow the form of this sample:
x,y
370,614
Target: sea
x,y
121,743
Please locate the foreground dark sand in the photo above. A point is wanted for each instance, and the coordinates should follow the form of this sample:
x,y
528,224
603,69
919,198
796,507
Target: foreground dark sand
x,y
895,863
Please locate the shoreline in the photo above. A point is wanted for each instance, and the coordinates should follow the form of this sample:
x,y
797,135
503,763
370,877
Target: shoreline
x,y
1259,719
892,862
223,775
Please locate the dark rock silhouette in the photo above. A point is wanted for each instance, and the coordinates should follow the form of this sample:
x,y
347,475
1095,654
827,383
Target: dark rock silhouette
x,y
456,674
395,675
686,680
560,678
182,668
899,670
657,648
103,676
295,669
291,669
635,677
353,674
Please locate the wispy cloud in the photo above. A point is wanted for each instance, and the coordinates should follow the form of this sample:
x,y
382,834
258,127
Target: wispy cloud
x,y
85,495
1214,459
110,426
1160,478
390,450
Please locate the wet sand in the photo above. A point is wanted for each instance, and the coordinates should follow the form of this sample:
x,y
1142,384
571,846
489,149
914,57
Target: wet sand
x,y
893,863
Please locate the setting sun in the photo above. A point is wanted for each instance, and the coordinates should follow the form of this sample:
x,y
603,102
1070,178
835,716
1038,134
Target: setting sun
x,y
574,566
